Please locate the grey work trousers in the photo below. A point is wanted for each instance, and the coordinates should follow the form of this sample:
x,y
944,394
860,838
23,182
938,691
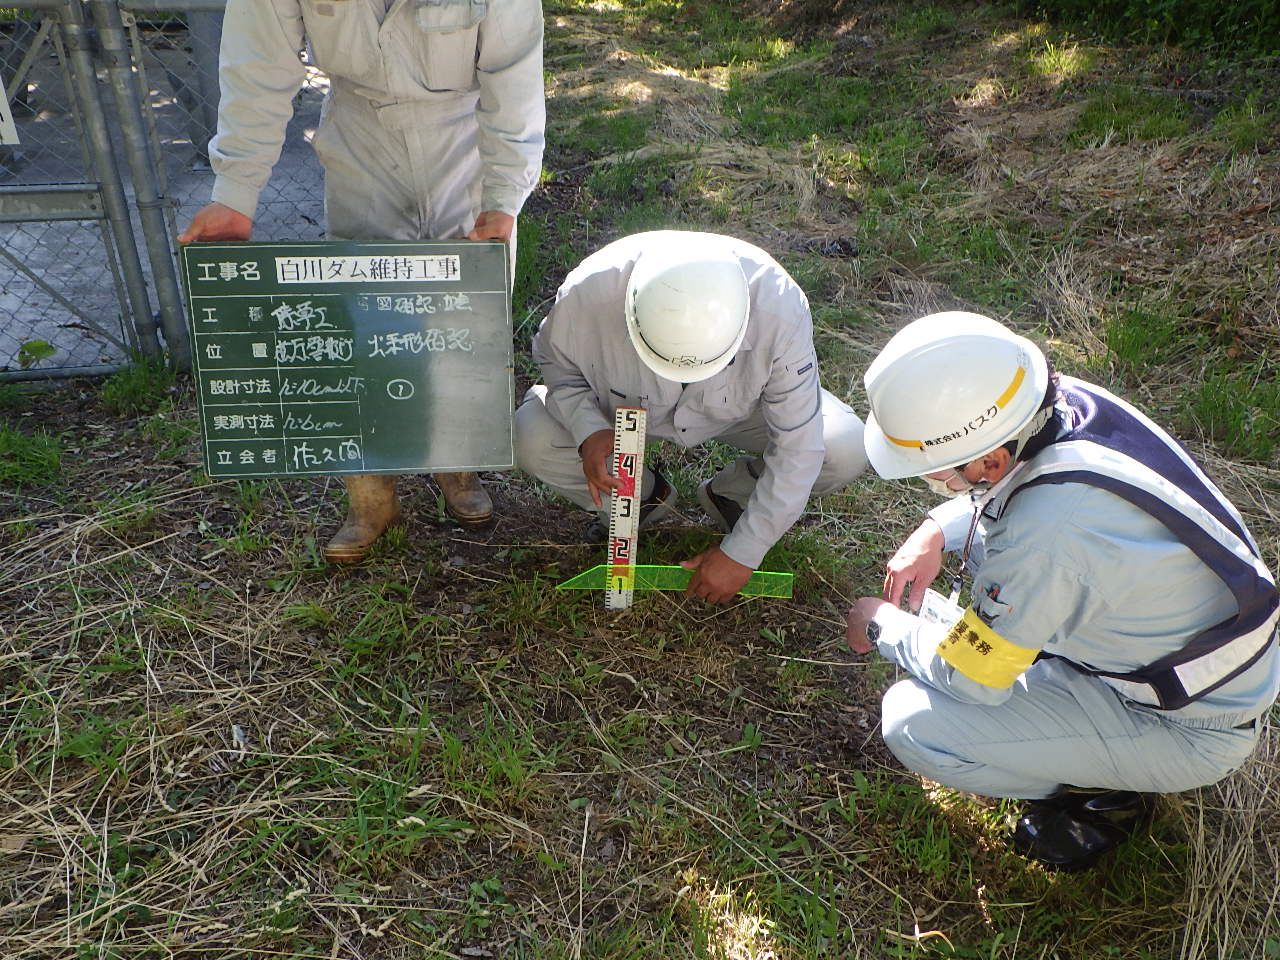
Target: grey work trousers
x,y
1059,727
546,450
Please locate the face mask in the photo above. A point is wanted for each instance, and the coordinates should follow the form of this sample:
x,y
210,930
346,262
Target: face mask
x,y
940,487
955,485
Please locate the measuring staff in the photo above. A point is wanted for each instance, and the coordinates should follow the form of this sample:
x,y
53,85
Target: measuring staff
x,y
1120,634
714,340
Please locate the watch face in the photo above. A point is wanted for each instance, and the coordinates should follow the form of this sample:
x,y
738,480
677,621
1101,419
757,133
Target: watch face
x,y
873,631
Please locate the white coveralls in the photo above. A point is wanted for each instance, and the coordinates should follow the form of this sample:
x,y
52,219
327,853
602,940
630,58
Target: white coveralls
x,y
1070,575
767,401
435,110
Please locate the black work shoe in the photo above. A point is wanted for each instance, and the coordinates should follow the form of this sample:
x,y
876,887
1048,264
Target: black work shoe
x,y
723,511
660,503
1072,830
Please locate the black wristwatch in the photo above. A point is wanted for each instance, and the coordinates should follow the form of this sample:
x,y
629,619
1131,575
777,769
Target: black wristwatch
x,y
873,632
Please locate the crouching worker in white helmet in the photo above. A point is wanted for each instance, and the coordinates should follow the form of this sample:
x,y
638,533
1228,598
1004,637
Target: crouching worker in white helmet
x,y
1120,633
713,338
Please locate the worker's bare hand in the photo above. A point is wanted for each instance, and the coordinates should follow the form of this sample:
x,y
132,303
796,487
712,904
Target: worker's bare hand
x,y
861,613
493,225
596,452
717,577
217,221
916,565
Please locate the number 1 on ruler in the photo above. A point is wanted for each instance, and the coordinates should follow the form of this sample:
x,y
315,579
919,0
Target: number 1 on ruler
x,y
624,506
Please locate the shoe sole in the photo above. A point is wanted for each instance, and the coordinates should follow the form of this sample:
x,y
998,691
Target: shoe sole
x,y
710,509
478,521
343,557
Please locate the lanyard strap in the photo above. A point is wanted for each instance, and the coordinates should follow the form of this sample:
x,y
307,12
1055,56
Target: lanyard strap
x,y
968,545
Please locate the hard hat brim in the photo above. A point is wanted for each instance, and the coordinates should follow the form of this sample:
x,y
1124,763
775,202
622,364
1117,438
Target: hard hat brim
x,y
889,460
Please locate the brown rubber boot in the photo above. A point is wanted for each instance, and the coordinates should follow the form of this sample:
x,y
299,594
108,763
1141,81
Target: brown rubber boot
x,y
464,498
373,507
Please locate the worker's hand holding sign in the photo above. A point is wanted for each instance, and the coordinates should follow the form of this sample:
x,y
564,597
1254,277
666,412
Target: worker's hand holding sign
x,y
493,225
216,221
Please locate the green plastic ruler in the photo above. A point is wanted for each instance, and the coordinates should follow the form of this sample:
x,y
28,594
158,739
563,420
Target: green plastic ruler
x,y
664,577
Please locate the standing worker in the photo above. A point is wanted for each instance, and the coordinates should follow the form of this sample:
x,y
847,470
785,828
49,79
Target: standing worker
x,y
1120,637
432,129
714,339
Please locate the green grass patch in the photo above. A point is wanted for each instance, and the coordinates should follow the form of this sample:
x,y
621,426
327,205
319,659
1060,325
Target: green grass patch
x,y
138,389
28,460
784,105
664,191
13,398
685,35
620,131
1060,62
887,153
1240,410
918,23
170,433
635,180
1247,125
803,552
1242,25
132,512
1120,114
1142,337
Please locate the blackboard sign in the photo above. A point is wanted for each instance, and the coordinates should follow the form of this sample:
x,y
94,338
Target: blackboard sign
x,y
344,357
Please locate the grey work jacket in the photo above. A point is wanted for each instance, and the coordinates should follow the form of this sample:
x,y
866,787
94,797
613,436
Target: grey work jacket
x,y
1077,571
429,52
590,369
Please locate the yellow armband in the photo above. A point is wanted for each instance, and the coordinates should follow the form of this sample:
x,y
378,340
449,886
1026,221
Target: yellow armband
x,y
983,655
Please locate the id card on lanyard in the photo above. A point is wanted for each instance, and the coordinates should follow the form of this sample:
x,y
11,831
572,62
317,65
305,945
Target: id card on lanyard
x,y
935,608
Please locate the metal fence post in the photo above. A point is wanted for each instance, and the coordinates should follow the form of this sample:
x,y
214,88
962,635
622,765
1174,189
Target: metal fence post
x,y
113,194
142,167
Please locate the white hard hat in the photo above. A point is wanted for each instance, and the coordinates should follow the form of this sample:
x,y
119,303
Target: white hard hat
x,y
947,389
687,305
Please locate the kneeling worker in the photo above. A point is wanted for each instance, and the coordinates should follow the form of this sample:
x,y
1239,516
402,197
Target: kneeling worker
x,y
714,339
1120,638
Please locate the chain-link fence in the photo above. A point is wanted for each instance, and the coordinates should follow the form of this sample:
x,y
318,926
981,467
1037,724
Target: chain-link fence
x,y
177,53
114,102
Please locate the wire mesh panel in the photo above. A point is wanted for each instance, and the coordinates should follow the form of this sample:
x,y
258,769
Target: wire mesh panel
x,y
178,56
61,300
70,297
